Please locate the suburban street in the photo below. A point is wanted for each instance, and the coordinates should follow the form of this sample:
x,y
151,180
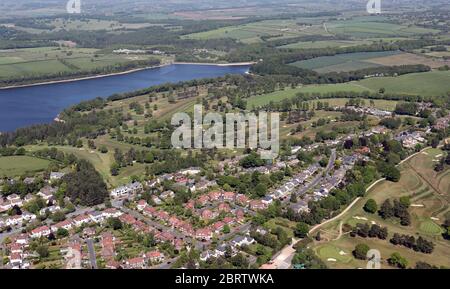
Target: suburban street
x,y
317,179
92,257
282,260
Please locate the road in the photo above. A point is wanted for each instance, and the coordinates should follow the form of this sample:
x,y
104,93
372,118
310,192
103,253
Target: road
x,y
92,257
317,179
282,260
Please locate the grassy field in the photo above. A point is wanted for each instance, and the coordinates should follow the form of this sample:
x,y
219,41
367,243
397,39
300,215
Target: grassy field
x,y
276,96
284,224
20,165
409,59
47,60
252,32
367,27
103,162
428,84
59,24
324,44
429,207
343,62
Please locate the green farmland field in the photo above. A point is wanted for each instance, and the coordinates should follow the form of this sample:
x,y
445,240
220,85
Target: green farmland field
x,y
19,165
277,96
323,44
252,32
342,62
47,60
367,27
434,83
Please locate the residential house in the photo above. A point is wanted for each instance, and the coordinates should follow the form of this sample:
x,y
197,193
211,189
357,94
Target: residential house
x,y
66,224
203,200
229,196
127,219
46,193
215,195
141,205
96,216
242,200
149,211
136,263
111,213
154,256
267,200
207,214
50,210
191,171
29,181
217,227
257,205
127,191
240,241
42,231
203,234
81,220
224,207
54,176
228,220
167,195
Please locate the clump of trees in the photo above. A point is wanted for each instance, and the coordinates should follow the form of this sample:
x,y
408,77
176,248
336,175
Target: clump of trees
x,y
399,209
391,122
360,251
305,257
419,245
371,206
374,231
301,230
85,185
398,261
251,161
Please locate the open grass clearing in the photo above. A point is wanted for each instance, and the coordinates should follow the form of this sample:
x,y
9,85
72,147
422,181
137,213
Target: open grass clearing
x,y
21,165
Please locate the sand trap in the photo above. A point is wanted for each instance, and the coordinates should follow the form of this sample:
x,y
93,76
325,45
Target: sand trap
x,y
331,260
434,219
417,205
342,253
438,156
373,222
425,153
360,218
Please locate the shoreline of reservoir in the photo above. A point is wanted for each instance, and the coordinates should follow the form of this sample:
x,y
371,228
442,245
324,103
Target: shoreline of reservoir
x,y
36,104
123,72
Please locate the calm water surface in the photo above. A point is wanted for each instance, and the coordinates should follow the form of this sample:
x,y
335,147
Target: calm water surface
x,y
25,106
